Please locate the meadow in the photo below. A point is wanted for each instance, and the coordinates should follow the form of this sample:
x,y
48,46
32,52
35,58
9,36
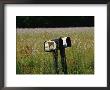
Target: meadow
x,y
32,59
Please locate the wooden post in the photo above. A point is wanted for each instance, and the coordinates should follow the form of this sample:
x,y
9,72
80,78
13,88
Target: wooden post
x,y
63,60
55,59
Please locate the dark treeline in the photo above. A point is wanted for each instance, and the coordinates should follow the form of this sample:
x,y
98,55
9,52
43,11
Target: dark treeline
x,y
54,21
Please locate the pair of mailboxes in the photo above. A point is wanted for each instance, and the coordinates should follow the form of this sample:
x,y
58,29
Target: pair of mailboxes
x,y
55,44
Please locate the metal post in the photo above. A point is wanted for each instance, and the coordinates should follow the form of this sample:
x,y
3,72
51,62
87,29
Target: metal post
x,y
63,60
55,58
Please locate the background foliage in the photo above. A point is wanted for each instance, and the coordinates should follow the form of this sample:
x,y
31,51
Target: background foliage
x,y
54,21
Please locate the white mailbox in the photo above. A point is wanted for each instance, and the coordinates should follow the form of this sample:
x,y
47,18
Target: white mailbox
x,y
49,46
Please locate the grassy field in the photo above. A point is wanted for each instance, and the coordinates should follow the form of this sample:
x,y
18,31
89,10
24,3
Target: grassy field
x,y
31,58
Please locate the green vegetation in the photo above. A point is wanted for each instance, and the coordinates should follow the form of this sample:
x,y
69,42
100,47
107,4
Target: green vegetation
x,y
31,58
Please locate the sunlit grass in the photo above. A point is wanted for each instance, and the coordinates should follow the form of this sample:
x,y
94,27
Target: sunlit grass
x,y
31,58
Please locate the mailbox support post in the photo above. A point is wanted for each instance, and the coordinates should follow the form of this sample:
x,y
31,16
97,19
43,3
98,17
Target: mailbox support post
x,y
63,60
55,59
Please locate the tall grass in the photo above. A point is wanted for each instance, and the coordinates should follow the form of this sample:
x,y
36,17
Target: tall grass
x,y
31,58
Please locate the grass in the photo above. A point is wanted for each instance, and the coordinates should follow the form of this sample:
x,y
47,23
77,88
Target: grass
x,y
31,58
